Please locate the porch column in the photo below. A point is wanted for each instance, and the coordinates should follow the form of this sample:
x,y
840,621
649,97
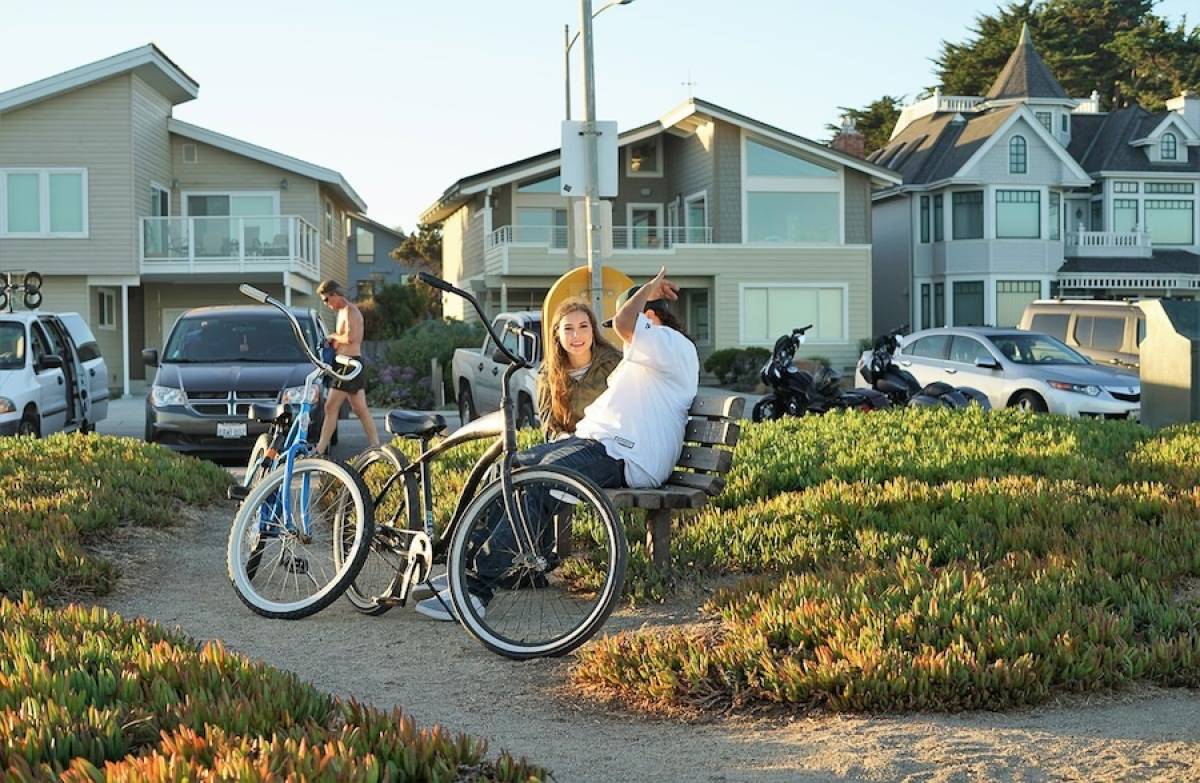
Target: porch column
x,y
287,291
125,329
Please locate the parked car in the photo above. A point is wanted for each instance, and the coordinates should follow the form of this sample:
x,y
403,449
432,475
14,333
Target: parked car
x,y
217,362
1021,369
477,371
52,376
1105,332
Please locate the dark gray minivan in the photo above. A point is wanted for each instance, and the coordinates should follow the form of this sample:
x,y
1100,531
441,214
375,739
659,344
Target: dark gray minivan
x,y
217,362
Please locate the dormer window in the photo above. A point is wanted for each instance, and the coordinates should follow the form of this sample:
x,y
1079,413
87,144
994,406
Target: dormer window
x,y
1168,146
1017,158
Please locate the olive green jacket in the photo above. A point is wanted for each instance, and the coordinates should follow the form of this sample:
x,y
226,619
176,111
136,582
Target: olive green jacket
x,y
583,391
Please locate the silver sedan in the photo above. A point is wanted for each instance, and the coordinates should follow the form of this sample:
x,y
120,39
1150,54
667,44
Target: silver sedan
x,y
1021,369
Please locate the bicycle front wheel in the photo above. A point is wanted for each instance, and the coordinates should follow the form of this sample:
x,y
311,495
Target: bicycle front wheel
x,y
540,584
289,559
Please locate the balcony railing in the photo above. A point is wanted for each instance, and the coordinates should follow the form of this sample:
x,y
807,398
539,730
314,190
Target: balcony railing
x,y
1098,244
624,237
198,244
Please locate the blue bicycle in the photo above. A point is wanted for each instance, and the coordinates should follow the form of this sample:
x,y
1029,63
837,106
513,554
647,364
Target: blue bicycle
x,y
305,523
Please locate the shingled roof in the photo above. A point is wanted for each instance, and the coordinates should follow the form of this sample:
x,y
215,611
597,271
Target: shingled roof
x,y
937,145
1025,75
1103,142
1163,262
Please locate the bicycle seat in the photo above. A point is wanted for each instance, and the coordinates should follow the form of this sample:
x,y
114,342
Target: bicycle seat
x,y
266,412
415,425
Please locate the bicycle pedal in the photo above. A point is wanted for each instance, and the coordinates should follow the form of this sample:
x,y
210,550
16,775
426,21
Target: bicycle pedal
x,y
298,565
237,492
391,600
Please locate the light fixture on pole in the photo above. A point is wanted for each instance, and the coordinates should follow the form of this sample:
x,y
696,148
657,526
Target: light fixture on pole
x,y
569,41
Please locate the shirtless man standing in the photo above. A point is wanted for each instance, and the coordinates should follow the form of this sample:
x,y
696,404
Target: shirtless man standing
x,y
346,341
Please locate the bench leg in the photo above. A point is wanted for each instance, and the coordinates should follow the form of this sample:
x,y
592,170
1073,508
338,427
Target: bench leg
x,y
658,537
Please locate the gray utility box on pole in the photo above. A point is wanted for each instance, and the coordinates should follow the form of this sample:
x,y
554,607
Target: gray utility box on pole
x,y
1169,360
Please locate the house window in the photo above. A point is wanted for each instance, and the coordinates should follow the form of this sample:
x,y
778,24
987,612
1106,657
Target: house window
x,y
1125,215
764,161
645,221
1018,214
773,309
644,158
968,303
160,201
967,214
43,203
106,309
1168,146
1097,215
1055,214
1011,298
1064,123
792,217
216,235
1170,222
924,218
189,153
1125,187
695,215
547,185
1046,119
329,221
542,225
926,305
364,245
365,289
698,316
1017,159
939,219
939,304
1169,187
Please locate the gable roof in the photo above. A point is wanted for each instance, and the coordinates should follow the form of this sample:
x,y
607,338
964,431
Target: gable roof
x,y
270,157
1105,143
375,224
941,145
1025,75
681,116
148,62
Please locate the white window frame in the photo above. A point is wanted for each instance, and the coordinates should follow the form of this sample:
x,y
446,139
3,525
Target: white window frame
x,y
186,194
358,249
110,304
771,285
790,185
329,222
658,160
700,194
164,189
43,203
1174,147
661,227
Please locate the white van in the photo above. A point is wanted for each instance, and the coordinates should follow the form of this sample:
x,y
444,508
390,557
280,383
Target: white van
x,y
52,376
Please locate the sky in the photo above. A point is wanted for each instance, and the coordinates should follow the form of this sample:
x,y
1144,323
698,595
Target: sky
x,y
406,97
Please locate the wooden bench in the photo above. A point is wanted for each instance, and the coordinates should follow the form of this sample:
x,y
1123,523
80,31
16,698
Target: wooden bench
x,y
707,455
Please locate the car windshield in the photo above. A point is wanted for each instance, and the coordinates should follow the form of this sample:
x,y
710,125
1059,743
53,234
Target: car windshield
x,y
1035,349
218,339
12,345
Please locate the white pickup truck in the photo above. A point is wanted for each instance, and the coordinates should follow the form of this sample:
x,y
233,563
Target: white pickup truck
x,y
479,371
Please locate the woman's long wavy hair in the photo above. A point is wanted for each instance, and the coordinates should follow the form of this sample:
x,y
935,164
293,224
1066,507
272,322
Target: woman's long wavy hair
x,y
558,363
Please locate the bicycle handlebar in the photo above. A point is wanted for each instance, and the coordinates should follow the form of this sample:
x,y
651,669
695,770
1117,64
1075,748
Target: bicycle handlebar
x,y
263,297
442,285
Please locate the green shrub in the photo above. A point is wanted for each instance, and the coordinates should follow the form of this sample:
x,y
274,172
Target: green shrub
x,y
399,377
394,309
737,367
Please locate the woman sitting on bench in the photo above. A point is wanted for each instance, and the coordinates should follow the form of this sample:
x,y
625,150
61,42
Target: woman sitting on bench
x,y
575,371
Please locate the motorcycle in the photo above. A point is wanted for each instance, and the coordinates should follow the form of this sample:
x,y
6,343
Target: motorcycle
x,y
795,392
878,368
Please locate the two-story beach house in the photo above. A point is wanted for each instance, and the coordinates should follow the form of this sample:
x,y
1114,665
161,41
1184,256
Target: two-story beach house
x,y
764,230
370,262
1026,193
133,216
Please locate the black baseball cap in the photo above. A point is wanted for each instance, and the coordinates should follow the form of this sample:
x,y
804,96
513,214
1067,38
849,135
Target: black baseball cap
x,y
657,305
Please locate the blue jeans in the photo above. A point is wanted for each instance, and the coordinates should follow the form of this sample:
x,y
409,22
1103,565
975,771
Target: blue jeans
x,y
494,545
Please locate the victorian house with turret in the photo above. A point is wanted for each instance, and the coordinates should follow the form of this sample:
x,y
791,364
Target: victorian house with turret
x,y
1026,193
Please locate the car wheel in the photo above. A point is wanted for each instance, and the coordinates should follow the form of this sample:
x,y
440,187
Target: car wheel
x,y
30,425
1029,401
466,404
525,415
148,435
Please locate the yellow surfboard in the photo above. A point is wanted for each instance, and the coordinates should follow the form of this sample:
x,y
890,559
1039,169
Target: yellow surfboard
x,y
577,283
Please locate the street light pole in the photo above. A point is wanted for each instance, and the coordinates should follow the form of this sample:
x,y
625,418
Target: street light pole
x,y
567,66
591,192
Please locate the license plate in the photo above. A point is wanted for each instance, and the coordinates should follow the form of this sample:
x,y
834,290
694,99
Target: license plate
x,y
230,430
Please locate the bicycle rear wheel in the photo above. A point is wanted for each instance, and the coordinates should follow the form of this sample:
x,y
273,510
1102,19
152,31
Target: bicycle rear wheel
x,y
545,591
291,565
387,555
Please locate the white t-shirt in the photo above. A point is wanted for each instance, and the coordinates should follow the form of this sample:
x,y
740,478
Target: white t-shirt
x,y
641,416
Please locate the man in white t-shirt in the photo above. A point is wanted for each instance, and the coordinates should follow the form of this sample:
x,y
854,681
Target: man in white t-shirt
x,y
631,435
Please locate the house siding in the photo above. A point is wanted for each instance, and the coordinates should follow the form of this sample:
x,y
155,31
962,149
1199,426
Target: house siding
x,y
890,269
725,211
1043,166
453,260
857,205
640,190
88,128
151,146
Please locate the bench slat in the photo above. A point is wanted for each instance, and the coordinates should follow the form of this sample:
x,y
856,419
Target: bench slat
x,y
701,458
665,498
709,485
712,432
727,406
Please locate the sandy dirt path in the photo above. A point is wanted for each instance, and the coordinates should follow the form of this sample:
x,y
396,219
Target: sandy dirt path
x,y
440,675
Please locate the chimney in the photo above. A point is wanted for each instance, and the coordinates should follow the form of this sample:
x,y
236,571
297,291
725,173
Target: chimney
x,y
1187,105
849,140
